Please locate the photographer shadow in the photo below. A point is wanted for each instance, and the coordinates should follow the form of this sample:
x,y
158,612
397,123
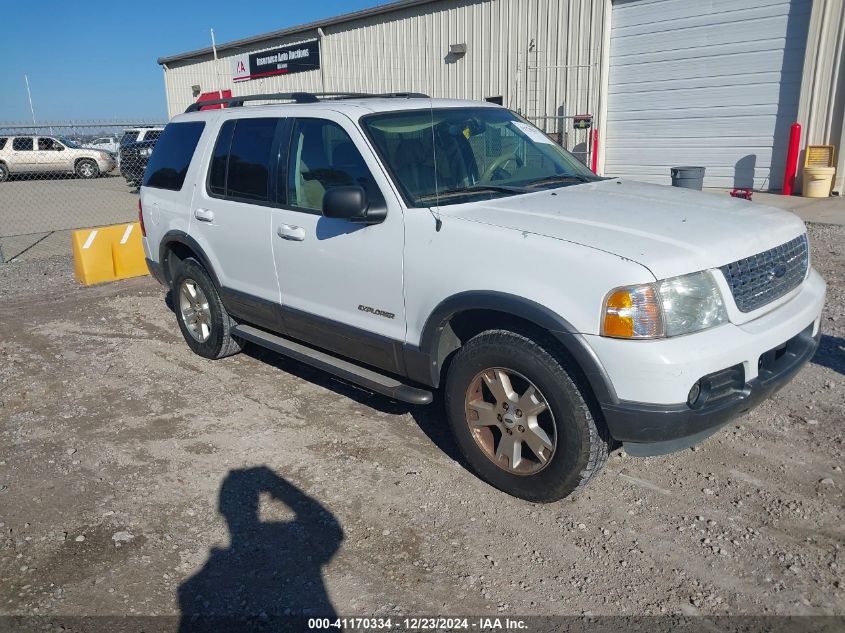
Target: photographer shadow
x,y
270,576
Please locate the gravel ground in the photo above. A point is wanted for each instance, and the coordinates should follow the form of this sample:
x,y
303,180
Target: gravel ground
x,y
138,478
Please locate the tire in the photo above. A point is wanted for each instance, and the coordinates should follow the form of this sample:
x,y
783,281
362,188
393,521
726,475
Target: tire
x,y
202,318
578,441
4,172
87,168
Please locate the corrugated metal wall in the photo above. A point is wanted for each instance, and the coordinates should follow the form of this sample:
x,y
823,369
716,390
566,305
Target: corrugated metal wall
x,y
512,46
822,108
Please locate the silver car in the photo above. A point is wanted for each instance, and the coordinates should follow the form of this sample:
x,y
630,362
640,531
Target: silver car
x,y
47,154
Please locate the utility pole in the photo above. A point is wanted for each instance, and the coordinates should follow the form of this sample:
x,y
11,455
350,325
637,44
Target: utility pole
x,y
216,65
29,96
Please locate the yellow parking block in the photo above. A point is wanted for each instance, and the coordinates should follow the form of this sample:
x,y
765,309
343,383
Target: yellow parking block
x,y
128,254
108,253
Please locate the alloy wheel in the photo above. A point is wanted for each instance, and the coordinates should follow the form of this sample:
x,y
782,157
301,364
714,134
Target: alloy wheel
x,y
193,306
511,421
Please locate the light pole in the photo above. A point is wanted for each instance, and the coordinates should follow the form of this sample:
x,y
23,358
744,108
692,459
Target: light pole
x,y
29,96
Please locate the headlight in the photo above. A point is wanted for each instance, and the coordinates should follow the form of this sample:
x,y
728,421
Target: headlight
x,y
671,307
145,151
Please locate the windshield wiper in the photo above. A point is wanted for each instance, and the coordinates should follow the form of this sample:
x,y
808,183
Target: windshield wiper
x,y
550,180
474,189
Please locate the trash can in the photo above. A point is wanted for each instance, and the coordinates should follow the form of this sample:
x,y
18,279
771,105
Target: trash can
x,y
818,181
688,177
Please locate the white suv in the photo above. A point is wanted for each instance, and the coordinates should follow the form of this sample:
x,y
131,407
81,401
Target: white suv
x,y
409,244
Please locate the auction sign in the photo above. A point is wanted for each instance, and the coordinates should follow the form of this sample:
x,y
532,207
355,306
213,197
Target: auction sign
x,y
278,61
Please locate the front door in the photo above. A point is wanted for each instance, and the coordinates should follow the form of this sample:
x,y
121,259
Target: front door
x,y
341,281
52,156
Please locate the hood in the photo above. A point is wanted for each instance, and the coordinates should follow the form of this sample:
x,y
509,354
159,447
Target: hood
x,y
670,231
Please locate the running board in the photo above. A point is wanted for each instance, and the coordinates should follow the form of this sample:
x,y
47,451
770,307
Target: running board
x,y
361,376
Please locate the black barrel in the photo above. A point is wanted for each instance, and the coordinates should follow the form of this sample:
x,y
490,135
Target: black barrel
x,y
688,177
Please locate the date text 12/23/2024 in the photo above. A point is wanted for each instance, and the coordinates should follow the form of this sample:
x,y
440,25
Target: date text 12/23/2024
x,y
418,624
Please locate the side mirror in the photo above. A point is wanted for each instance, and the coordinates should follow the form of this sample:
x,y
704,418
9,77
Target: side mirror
x,y
350,203
59,148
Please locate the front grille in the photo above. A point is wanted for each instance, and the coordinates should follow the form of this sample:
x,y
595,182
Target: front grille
x,y
762,278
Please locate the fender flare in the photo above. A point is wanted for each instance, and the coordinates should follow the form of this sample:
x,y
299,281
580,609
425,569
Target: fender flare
x,y
180,237
572,341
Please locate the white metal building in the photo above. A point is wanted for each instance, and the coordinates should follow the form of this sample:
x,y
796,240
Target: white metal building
x,y
668,82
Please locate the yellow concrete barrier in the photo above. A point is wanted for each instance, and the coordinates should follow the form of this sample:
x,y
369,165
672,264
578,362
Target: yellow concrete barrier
x,y
108,253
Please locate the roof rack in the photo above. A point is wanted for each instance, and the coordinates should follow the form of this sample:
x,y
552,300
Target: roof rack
x,y
302,97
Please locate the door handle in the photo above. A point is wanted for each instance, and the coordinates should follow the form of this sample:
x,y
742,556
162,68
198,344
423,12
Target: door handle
x,y
204,215
290,232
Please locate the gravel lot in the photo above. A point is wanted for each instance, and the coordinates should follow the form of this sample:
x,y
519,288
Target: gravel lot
x,y
133,476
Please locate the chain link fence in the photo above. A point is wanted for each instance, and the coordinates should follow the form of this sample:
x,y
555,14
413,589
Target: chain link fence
x,y
63,176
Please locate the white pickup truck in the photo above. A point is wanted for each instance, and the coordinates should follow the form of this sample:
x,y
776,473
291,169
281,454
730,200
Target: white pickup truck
x,y
410,244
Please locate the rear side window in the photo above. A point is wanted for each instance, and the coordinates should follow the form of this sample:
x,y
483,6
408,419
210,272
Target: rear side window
x,y
243,159
22,144
172,155
3,140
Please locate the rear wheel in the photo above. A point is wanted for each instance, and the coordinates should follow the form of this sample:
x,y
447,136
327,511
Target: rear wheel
x,y
203,319
87,168
521,419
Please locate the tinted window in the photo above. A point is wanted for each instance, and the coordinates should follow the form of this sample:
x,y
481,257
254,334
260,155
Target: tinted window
x,y
172,156
219,161
22,144
152,135
250,155
47,144
3,140
322,156
128,137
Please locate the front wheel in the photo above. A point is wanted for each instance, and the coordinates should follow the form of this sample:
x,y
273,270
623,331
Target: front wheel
x,y
202,317
520,418
87,168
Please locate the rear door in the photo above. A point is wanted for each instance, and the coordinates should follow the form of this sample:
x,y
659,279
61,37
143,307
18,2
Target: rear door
x,y
231,215
24,158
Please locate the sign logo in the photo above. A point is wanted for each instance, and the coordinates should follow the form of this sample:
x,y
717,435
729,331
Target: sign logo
x,y
277,61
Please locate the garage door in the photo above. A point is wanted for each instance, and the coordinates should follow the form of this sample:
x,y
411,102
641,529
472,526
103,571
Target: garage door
x,y
712,83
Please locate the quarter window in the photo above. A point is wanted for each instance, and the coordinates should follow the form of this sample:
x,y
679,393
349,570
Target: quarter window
x,y
22,144
322,156
172,155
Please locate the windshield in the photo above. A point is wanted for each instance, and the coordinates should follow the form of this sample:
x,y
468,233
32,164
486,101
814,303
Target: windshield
x,y
451,155
129,137
68,143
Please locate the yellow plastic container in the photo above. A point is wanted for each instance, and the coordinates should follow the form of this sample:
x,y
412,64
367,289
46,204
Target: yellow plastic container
x,y
818,181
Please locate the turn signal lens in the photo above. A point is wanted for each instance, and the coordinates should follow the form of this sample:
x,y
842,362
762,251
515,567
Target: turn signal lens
x,y
633,312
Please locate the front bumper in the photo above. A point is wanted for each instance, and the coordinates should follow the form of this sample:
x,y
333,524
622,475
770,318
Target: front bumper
x,y
647,408
106,165
658,429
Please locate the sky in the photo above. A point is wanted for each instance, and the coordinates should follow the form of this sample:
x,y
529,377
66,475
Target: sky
x,y
97,61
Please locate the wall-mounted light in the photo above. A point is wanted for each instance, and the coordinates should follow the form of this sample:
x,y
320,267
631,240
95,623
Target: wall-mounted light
x,y
196,90
457,50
